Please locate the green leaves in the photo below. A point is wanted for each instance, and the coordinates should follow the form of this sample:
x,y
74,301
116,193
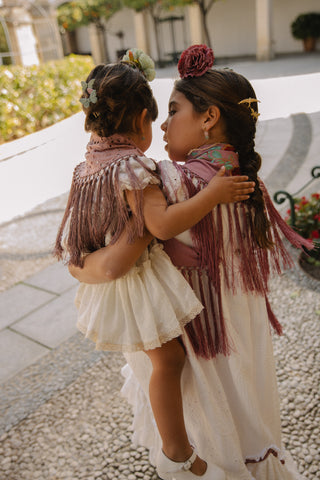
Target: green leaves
x,y
306,25
34,97
74,14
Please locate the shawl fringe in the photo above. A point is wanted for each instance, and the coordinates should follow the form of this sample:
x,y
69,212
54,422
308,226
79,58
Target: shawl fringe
x,y
241,263
97,207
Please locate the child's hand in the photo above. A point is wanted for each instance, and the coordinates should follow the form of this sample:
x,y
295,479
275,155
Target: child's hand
x,y
230,189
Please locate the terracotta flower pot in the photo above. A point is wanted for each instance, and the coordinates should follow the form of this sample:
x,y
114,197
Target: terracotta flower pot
x,y
309,44
311,269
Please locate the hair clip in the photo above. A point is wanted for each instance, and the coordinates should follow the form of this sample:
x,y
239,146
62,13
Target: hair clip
x,y
95,114
138,59
248,102
87,88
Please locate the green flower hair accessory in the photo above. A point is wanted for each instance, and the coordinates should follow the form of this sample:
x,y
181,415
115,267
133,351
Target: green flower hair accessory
x,y
142,61
87,88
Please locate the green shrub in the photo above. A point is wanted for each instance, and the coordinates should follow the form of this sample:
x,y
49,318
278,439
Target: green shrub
x,y
306,25
34,97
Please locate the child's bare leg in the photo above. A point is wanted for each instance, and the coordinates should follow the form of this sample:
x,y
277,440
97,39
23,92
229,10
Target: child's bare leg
x,y
166,402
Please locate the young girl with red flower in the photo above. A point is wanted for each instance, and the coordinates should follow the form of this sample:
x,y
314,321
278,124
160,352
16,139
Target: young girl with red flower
x,y
229,390
115,194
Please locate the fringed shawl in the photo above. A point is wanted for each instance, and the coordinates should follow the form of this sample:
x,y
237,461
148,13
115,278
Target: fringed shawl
x,y
237,260
96,205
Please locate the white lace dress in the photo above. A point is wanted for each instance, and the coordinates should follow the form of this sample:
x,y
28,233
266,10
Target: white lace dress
x,y
231,403
148,306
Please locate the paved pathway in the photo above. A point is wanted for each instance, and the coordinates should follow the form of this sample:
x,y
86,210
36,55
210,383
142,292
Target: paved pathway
x,y
41,355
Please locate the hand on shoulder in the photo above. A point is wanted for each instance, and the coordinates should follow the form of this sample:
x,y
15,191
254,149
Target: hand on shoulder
x,y
230,189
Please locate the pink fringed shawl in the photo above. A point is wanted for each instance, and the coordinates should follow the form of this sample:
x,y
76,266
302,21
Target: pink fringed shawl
x,y
96,204
247,267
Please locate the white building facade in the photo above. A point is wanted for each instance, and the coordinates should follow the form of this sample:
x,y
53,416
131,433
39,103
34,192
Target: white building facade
x,y
237,28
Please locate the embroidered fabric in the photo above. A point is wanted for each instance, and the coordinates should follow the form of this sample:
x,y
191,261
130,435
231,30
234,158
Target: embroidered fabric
x,y
272,469
271,450
211,425
124,315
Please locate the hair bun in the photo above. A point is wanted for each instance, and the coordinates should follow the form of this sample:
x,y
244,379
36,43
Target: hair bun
x,y
195,61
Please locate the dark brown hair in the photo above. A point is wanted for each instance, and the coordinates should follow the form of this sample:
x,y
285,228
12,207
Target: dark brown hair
x,y
225,89
123,93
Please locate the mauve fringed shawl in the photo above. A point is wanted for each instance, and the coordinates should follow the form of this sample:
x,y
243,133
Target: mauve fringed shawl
x,y
96,205
254,264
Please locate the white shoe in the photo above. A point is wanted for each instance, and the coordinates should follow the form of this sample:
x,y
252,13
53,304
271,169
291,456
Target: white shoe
x,y
169,470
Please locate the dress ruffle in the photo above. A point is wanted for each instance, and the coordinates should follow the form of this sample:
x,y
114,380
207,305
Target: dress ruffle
x,y
273,463
231,404
272,469
120,315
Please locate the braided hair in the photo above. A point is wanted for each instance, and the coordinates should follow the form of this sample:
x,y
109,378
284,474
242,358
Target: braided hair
x,y
122,94
225,89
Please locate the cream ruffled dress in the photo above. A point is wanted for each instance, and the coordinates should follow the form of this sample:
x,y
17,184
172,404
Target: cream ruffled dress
x,y
231,404
149,305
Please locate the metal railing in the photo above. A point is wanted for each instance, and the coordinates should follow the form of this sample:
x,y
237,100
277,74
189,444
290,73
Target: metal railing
x,y
281,195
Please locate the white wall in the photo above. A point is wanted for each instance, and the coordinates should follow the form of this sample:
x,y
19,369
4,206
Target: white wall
x,y
182,37
120,21
165,32
83,41
231,23
232,28
285,11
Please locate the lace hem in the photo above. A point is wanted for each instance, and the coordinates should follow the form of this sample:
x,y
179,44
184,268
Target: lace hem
x,y
104,345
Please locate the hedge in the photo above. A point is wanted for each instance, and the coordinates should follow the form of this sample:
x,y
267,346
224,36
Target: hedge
x,y
34,97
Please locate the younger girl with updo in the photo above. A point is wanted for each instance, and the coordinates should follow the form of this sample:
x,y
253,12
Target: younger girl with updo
x,y
116,196
229,387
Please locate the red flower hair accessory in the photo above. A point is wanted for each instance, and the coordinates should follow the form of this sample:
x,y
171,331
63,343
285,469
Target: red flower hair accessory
x,y
195,61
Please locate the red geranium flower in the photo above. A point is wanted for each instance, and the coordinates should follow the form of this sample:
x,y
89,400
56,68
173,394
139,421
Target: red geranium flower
x,y
195,61
314,234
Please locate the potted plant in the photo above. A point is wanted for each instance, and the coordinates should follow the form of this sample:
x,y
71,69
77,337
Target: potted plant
x,y
306,27
307,224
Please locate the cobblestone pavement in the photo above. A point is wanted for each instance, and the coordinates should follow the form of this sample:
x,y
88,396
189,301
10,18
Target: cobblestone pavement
x,y
63,417
27,242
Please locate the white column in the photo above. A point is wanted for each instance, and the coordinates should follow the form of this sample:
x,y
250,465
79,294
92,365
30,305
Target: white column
x,y
22,37
141,31
264,30
195,25
97,43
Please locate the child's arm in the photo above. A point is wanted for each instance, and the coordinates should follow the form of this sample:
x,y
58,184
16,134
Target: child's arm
x,y
165,221
111,262
114,261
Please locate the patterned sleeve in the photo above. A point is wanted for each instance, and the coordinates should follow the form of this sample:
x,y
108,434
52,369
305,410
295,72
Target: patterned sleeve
x,y
173,187
136,173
